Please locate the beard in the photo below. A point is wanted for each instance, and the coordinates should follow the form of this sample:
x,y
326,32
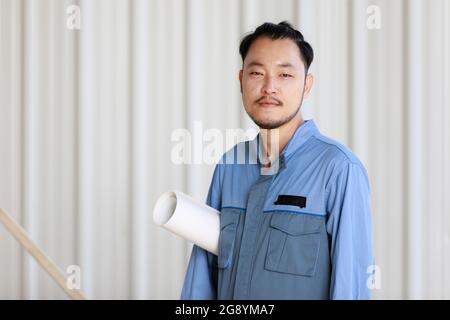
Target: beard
x,y
273,124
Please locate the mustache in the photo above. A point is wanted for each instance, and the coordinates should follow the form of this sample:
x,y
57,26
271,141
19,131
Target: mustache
x,y
269,98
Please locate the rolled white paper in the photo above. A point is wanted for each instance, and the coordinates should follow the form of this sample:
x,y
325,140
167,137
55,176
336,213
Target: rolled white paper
x,y
189,219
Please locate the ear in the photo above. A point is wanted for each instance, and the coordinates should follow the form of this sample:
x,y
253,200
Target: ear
x,y
241,74
309,81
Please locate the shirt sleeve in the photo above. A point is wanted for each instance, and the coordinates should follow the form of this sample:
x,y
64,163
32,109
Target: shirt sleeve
x,y
200,281
349,226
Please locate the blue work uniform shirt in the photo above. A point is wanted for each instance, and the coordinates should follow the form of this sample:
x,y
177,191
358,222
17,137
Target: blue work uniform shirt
x,y
304,232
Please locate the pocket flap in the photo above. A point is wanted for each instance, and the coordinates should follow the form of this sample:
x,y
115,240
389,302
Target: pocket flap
x,y
295,224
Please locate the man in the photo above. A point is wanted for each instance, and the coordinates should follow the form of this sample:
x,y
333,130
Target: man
x,y
304,230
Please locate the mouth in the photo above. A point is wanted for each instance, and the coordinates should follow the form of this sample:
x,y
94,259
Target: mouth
x,y
268,104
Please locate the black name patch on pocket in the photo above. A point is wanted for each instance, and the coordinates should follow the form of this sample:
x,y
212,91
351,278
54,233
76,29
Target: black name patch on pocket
x,y
298,201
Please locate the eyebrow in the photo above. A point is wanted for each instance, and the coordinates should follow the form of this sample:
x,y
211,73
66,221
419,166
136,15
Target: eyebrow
x,y
259,64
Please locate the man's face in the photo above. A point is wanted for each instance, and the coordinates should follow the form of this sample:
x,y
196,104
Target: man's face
x,y
273,82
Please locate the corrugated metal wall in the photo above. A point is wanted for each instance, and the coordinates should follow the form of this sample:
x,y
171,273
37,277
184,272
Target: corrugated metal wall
x,y
86,119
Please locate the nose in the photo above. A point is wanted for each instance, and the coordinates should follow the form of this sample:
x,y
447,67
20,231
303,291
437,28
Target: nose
x,y
269,86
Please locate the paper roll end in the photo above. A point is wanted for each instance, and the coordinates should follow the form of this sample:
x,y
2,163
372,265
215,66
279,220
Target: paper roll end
x,y
164,208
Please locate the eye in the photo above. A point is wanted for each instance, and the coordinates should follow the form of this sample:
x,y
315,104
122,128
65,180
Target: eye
x,y
255,73
286,75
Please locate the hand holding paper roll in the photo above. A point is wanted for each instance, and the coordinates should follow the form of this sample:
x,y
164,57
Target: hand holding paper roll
x,y
193,221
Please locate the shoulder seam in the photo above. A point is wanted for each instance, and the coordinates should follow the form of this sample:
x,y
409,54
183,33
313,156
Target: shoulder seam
x,y
320,137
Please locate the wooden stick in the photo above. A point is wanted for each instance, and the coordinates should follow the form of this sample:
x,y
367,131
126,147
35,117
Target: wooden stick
x,y
49,266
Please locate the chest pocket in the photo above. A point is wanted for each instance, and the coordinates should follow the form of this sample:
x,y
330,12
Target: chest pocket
x,y
229,219
294,244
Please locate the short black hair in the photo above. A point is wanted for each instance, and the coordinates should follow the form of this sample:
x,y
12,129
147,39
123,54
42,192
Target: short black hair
x,y
282,30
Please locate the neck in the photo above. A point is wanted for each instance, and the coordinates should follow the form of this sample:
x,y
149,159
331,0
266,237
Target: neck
x,y
275,140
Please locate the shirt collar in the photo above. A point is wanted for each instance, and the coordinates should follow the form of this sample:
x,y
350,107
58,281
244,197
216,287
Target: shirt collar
x,y
301,135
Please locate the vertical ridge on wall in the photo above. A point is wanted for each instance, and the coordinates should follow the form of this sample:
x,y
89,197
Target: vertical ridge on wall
x,y
32,161
405,148
446,145
433,261
142,156
120,24
392,24
103,174
23,74
415,151
65,93
160,105
85,124
176,98
196,29
358,90
10,141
